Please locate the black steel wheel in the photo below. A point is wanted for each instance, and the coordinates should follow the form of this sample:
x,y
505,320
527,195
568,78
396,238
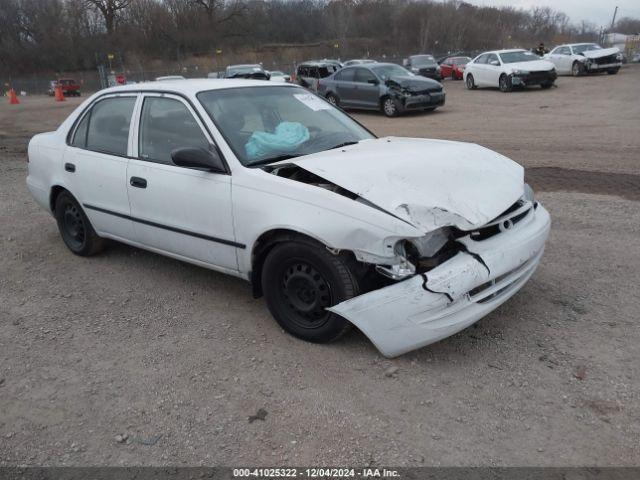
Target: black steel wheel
x,y
300,280
74,226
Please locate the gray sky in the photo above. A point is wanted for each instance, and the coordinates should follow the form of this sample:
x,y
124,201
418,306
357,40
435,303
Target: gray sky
x,y
599,12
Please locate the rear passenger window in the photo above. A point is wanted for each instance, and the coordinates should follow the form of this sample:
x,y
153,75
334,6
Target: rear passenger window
x,y
108,129
166,124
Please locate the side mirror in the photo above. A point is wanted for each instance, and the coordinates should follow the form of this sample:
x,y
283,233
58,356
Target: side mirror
x,y
199,158
373,81
495,63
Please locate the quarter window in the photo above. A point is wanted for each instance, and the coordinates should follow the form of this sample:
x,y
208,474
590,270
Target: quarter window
x,y
108,126
80,135
166,124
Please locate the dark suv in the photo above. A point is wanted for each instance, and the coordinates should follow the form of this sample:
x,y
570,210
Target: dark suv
x,y
424,65
381,86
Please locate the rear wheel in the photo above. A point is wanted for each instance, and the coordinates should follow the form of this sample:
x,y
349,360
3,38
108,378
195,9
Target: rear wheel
x,y
75,228
505,83
300,280
470,82
333,100
389,107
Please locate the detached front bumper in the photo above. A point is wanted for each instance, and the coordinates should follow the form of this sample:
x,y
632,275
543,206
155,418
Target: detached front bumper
x,y
432,306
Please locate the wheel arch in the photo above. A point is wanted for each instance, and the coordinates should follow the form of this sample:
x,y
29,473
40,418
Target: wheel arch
x,y
267,241
56,190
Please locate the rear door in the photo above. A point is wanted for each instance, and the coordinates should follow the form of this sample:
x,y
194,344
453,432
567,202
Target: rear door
x,y
96,162
177,210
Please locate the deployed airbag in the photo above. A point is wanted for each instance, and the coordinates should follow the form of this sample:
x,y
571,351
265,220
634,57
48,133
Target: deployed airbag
x,y
287,137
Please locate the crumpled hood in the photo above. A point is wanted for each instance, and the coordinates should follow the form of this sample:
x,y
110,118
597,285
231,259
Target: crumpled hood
x,y
428,183
413,83
605,52
533,66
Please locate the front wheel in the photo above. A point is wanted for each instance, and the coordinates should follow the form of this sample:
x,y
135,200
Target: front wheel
x,y
74,226
547,85
389,107
470,82
577,69
300,280
505,83
613,71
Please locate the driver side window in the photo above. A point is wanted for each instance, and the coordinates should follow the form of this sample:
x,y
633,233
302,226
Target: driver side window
x,y
363,75
165,125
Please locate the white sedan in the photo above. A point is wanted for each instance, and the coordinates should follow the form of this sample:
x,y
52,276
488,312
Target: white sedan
x,y
506,69
275,185
580,58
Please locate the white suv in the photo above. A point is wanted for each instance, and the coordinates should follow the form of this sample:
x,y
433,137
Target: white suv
x,y
275,185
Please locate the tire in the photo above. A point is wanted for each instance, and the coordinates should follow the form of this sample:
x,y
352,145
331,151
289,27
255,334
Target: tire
x,y
74,226
470,83
299,280
613,71
389,107
577,69
505,83
546,86
453,75
333,99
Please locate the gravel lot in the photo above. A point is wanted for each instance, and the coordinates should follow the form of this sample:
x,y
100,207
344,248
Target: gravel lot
x,y
132,358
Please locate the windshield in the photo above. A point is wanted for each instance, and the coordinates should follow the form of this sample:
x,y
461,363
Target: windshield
x,y
267,124
520,56
585,48
385,72
420,60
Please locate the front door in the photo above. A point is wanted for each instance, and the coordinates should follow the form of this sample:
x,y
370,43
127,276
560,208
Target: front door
x,y
178,210
367,94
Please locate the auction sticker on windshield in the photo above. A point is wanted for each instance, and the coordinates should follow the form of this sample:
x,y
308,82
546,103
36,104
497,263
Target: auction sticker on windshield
x,y
311,101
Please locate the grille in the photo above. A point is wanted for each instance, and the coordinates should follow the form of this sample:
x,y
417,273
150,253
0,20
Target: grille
x,y
512,216
605,60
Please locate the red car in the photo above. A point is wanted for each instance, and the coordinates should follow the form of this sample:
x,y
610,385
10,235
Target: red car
x,y
453,67
69,87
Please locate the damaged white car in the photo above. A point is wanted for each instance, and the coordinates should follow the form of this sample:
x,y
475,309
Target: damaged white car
x,y
580,58
273,184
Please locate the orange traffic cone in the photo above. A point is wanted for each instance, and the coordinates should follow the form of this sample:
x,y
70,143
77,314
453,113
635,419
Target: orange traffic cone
x,y
13,98
59,94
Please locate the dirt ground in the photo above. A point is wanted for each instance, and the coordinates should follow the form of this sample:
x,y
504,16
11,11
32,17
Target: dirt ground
x,y
176,358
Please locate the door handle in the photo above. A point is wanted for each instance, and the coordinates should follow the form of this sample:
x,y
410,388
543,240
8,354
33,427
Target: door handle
x,y
70,167
138,182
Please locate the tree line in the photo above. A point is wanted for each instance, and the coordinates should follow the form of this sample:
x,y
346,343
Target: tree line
x,y
67,35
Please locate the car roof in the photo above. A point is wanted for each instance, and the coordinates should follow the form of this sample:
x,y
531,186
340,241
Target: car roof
x,y
193,86
318,63
245,65
504,51
577,44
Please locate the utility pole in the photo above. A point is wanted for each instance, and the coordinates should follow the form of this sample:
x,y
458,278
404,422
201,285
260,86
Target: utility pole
x,y
615,12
